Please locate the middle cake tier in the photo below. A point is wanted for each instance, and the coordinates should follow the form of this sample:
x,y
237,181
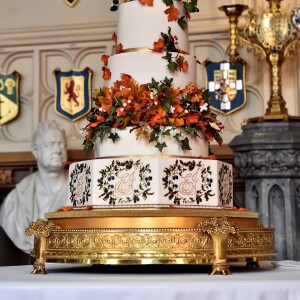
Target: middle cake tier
x,y
145,65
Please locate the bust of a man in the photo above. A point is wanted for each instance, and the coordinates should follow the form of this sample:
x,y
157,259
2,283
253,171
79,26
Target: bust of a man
x,y
41,192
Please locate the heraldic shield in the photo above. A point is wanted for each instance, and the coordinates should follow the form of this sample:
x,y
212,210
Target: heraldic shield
x,y
71,2
9,96
226,85
73,93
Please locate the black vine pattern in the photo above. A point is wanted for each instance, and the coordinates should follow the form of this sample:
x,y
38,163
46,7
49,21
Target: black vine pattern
x,y
80,184
225,185
181,182
119,185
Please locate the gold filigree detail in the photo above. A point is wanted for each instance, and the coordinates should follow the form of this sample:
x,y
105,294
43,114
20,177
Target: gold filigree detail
x,y
41,227
218,225
104,241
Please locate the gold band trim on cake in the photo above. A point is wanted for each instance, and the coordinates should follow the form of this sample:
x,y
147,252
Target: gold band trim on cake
x,y
152,156
145,49
140,49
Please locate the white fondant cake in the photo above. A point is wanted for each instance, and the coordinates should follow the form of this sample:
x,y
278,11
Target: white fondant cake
x,y
128,145
151,182
139,26
158,171
143,66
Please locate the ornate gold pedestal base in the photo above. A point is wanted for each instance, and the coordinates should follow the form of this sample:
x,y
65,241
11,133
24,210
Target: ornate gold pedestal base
x,y
166,236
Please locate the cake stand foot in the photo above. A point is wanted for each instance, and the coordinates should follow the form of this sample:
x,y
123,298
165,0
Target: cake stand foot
x,y
220,269
38,268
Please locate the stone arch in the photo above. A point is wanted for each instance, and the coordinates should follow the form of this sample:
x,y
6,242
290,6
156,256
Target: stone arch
x,y
253,199
276,202
297,197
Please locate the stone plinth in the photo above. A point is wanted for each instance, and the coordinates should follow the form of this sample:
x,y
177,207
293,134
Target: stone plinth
x,y
268,157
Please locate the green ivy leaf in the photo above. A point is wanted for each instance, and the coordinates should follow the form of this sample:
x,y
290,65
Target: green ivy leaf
x,y
113,136
167,132
205,95
178,137
154,84
172,66
88,147
161,146
182,23
168,81
119,120
166,104
185,145
191,6
153,136
168,57
168,2
118,100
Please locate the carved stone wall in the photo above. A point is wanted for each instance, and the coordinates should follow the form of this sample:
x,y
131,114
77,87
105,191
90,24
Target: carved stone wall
x,y
268,157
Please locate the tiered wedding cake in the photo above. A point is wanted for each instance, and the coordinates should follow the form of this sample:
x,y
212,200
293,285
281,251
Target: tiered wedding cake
x,y
151,125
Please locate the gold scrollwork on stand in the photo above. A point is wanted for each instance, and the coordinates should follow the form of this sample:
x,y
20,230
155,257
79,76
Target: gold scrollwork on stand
x,y
219,230
213,240
41,229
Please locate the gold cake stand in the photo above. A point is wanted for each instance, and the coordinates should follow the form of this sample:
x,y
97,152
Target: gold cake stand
x,y
215,237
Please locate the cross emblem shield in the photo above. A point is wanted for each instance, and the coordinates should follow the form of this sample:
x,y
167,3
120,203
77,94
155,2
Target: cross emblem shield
x,y
226,85
9,96
73,93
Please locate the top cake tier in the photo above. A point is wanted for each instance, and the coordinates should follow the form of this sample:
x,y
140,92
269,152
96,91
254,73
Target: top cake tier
x,y
140,25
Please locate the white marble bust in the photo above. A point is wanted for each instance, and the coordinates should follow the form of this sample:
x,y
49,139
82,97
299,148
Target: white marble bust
x,y
41,192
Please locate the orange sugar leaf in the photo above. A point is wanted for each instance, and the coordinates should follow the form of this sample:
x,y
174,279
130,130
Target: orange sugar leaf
x,y
159,45
208,136
192,118
173,13
146,2
115,37
106,73
185,66
125,79
87,207
66,208
104,59
119,48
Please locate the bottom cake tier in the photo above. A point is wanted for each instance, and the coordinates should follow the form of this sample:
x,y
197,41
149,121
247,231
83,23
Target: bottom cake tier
x,y
153,236
151,182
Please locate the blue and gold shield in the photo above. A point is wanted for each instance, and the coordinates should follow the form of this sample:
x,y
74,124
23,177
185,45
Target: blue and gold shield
x,y
9,96
73,97
226,85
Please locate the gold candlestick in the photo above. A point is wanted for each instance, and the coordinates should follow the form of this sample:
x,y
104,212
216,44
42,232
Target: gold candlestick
x,y
272,37
233,12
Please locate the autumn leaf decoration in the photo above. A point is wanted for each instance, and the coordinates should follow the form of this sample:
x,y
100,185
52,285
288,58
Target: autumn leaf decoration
x,y
168,43
172,12
106,71
119,47
153,111
146,2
